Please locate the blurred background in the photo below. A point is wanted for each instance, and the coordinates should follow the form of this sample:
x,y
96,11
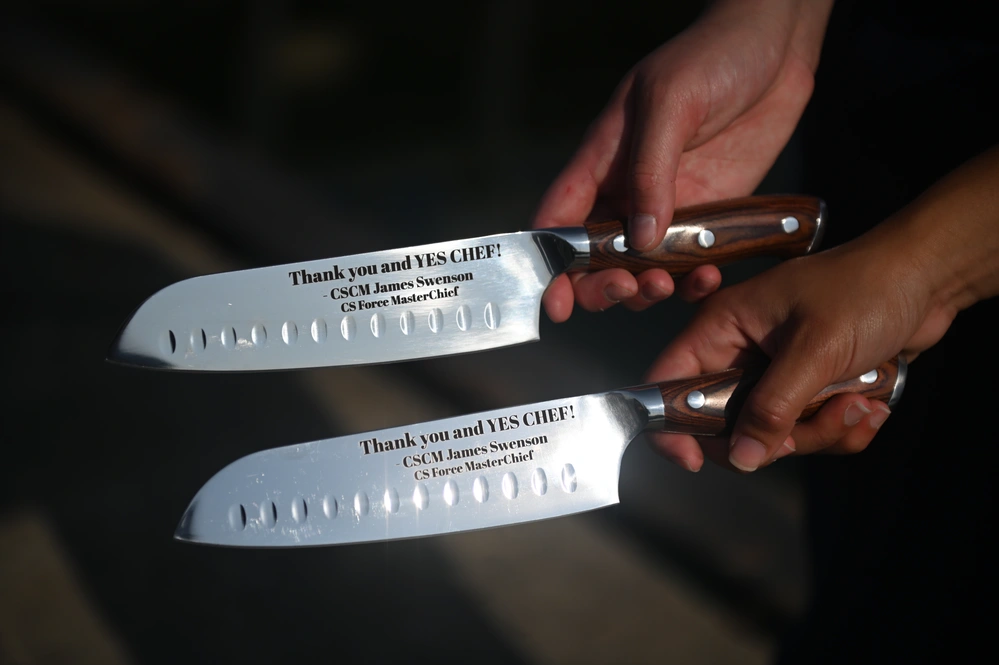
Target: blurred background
x,y
145,142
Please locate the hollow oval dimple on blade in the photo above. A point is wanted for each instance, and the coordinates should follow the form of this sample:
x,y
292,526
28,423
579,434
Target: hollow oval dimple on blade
x,y
289,333
421,496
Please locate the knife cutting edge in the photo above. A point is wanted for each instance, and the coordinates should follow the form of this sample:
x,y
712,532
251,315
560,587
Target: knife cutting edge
x,y
484,470
432,300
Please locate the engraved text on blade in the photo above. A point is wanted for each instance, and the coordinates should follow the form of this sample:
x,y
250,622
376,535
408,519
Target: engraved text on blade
x,y
475,446
357,295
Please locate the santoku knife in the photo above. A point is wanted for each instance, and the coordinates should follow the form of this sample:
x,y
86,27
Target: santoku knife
x,y
483,470
433,300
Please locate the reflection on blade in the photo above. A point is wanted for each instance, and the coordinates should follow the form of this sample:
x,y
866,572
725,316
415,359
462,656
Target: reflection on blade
x,y
434,300
470,472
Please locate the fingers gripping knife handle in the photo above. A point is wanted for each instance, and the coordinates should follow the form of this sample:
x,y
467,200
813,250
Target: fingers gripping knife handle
x,y
717,233
708,404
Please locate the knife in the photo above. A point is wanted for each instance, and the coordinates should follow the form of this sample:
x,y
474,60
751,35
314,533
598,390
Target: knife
x,y
488,469
432,300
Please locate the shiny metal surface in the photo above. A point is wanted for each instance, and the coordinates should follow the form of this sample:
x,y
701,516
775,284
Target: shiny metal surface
x,y
705,238
417,302
651,401
576,241
820,227
696,400
477,471
790,224
903,370
870,377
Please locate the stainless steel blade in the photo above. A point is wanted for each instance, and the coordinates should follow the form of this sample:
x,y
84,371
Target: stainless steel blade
x,y
433,300
477,471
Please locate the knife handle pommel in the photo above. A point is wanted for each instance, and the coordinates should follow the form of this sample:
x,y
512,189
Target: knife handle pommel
x,y
708,404
718,233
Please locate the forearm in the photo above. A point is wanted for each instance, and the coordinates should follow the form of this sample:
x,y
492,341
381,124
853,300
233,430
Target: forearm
x,y
803,22
951,233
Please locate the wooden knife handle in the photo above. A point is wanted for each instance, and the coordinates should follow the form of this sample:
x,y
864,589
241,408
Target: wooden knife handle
x,y
782,226
707,405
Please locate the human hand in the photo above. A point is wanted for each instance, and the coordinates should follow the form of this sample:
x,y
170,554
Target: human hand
x,y
702,118
835,315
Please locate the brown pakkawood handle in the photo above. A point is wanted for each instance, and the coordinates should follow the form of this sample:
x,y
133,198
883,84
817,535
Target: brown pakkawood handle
x,y
781,226
707,405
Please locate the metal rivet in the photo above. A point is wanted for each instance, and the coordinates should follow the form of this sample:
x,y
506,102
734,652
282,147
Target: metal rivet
x,y
705,238
619,244
789,224
870,377
695,400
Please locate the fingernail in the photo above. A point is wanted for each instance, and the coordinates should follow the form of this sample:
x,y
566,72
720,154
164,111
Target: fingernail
x,y
854,414
684,463
617,293
880,416
747,454
641,231
785,450
652,292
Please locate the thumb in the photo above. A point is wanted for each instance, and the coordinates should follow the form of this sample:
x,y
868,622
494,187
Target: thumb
x,y
771,409
659,129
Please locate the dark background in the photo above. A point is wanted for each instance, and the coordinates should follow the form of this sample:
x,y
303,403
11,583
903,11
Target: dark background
x,y
146,142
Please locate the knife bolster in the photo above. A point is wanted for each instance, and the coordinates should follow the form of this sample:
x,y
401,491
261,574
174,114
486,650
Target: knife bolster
x,y
564,248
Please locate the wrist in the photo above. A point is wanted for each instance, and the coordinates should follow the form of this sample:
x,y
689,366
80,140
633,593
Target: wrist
x,y
951,234
795,26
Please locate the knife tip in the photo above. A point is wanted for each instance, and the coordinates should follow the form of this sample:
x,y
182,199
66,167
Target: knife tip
x,y
113,353
119,354
132,347
183,531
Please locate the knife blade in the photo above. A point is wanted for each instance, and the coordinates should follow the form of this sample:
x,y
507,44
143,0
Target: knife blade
x,y
431,300
484,470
